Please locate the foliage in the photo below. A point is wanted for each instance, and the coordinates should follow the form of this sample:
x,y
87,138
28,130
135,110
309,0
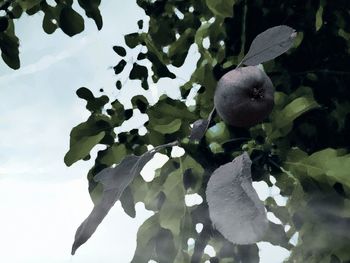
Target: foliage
x,y
303,144
61,15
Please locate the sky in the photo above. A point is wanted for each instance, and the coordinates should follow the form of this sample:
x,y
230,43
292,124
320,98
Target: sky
x,y
42,201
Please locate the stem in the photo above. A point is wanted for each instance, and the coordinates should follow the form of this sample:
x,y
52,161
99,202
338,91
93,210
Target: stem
x,y
210,117
170,144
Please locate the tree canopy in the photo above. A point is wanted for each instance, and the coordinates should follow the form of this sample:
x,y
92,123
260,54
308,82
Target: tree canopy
x,y
302,147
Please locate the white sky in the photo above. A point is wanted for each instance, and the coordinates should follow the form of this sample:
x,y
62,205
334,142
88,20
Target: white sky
x,y
42,202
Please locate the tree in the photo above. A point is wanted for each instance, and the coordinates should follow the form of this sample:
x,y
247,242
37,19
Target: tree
x,y
303,144
62,15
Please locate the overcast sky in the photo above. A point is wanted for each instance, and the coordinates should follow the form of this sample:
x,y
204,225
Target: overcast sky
x,y
42,202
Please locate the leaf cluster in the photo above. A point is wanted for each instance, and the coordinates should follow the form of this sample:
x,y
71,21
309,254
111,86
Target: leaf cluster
x,y
303,144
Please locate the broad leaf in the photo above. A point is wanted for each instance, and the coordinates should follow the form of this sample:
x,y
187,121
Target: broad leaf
x,y
71,22
115,181
120,51
269,44
81,148
168,128
283,118
154,242
173,209
326,165
234,207
221,8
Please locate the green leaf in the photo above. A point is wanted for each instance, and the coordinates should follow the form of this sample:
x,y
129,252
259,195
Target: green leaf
x,y
168,128
218,133
294,109
173,209
319,20
28,4
282,119
221,8
113,154
328,165
82,148
71,22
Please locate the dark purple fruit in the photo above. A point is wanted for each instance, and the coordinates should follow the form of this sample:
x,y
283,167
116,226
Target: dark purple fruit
x,y
244,96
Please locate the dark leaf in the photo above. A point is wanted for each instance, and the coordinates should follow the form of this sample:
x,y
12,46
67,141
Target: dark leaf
x,y
234,206
71,22
9,44
132,40
85,94
140,24
127,201
118,84
3,23
277,236
199,129
138,72
92,11
114,181
120,51
154,242
269,44
119,67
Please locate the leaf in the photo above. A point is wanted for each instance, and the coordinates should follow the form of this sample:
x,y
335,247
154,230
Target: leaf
x,y
92,11
234,207
221,8
294,109
71,22
173,209
277,236
4,23
27,4
81,148
329,164
168,128
132,40
282,119
154,242
115,181
269,44
138,72
198,130
128,203
9,45
120,51
119,67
